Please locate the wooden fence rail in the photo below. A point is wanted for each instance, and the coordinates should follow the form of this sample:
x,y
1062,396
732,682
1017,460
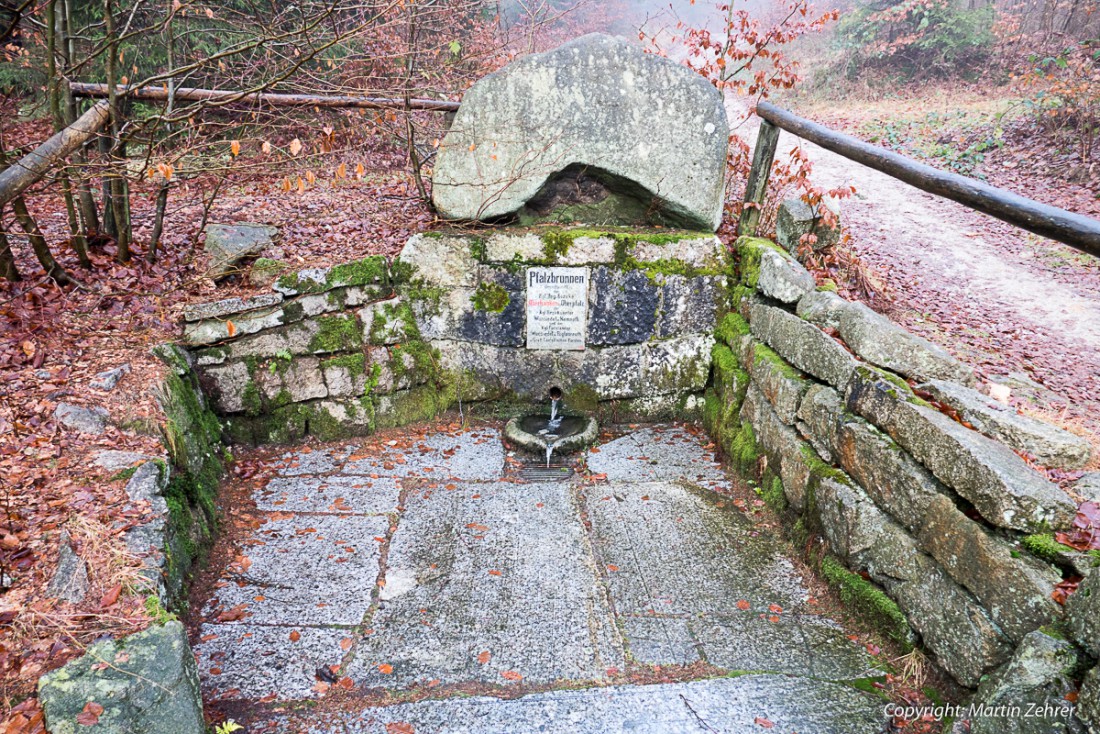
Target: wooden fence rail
x,y
1075,230
279,99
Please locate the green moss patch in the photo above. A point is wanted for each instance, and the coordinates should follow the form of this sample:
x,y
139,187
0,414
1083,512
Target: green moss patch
x,y
490,297
338,333
867,600
731,329
749,250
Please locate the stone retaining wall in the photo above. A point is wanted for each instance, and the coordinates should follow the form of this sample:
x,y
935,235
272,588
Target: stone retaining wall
x,y
372,344
877,445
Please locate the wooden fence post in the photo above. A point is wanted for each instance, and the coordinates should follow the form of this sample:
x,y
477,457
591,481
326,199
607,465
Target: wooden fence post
x,y
767,141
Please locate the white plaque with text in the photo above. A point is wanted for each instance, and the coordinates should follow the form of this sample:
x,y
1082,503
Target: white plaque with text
x,y
557,308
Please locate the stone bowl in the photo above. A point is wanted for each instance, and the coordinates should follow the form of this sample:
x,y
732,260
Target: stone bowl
x,y
583,431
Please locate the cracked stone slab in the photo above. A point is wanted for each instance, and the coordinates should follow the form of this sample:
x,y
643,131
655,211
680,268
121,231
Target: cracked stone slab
x,y
797,644
248,661
499,568
476,455
305,569
727,705
655,454
669,550
329,494
320,461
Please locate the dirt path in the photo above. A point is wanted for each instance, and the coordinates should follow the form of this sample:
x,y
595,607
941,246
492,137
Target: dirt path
x,y
1022,310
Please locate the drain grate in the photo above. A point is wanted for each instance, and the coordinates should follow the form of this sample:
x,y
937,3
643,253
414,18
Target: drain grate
x,y
541,473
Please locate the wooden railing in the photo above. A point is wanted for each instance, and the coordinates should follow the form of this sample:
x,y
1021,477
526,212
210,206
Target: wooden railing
x,y
1075,230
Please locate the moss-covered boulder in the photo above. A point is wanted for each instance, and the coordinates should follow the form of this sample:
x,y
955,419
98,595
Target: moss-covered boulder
x,y
145,683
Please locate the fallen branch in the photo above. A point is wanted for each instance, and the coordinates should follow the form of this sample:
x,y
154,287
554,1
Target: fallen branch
x,y
34,165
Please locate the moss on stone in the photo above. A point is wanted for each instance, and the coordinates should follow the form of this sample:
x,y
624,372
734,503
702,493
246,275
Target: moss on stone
x,y
555,245
336,333
712,415
401,272
828,285
749,250
479,250
771,491
408,406
251,400
491,297
731,329
424,361
368,271
743,451
763,354
867,600
355,364
1043,545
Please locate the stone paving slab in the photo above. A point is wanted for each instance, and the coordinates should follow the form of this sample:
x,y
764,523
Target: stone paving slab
x,y
692,580
319,461
255,661
748,704
476,455
502,569
306,569
656,454
670,550
330,494
490,582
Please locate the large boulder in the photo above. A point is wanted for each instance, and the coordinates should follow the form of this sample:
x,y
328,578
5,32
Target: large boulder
x,y
144,683
595,130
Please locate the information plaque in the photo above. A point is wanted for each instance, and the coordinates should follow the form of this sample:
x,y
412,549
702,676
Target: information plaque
x,y
557,308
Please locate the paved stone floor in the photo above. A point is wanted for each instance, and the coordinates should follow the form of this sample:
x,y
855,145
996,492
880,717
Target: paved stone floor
x,y
423,586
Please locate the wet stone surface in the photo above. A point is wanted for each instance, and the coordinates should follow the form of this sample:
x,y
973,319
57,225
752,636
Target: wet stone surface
x,y
426,585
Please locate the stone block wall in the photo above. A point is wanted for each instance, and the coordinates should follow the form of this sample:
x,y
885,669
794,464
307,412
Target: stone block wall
x,y
372,344
877,445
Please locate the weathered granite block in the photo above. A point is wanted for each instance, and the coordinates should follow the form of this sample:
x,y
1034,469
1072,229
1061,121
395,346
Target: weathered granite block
x,y
346,376
820,415
370,271
894,480
797,218
1015,589
149,684
296,380
1051,445
952,624
230,306
883,343
230,388
508,145
823,308
782,277
1083,613
388,322
802,344
689,305
1001,486
622,307
1037,679
781,384
784,449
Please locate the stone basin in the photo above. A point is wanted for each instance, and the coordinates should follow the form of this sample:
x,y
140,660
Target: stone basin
x,y
574,433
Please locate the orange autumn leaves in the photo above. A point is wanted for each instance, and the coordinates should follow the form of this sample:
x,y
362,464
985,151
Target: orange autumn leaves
x,y
775,610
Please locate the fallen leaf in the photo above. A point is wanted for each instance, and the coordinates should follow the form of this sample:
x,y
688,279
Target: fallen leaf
x,y
399,727
743,605
484,657
761,721
295,635
385,668
89,715
111,597
511,675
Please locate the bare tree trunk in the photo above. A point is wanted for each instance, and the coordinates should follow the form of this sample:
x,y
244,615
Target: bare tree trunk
x,y
410,130
119,188
88,212
8,270
162,194
53,37
38,242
